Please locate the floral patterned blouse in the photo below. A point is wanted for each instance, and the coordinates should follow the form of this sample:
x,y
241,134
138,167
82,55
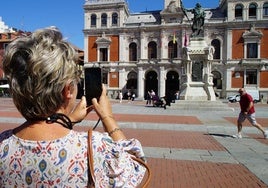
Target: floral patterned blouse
x,y
63,162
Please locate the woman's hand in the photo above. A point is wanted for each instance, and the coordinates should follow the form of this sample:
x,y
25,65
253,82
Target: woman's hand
x,y
104,110
80,111
102,107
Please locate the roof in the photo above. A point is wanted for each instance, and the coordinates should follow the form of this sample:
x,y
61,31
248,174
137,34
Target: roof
x,y
152,17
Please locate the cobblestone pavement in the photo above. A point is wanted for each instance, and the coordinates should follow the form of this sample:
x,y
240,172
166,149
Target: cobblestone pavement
x,y
186,148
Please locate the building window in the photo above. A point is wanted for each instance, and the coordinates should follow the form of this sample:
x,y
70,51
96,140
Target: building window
x,y
265,10
103,54
172,49
104,77
114,19
93,20
238,11
152,50
251,76
252,50
252,11
104,20
133,51
217,46
132,80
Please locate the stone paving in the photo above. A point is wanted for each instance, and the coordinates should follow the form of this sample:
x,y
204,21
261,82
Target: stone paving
x,y
185,148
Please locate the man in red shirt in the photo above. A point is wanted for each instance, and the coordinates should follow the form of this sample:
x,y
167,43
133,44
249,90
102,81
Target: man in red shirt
x,y
247,112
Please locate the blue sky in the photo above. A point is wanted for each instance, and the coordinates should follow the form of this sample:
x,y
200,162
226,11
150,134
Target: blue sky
x,y
67,15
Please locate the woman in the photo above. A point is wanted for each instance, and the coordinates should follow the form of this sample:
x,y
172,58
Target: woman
x,y
45,151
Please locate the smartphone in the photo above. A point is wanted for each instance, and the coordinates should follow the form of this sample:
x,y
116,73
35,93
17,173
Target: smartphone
x,y
93,84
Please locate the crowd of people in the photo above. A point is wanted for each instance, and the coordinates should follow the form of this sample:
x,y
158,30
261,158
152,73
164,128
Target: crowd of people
x,y
152,99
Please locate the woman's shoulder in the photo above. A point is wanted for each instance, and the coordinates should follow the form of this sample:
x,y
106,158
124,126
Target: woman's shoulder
x,y
5,135
73,135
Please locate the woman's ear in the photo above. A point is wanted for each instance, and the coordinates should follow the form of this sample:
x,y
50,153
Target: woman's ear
x,y
68,90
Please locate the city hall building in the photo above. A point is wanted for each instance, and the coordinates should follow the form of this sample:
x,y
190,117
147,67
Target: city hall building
x,y
140,52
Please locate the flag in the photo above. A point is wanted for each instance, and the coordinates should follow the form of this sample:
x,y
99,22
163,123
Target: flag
x,y
174,38
185,39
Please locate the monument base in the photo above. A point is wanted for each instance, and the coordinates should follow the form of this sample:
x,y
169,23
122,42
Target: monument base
x,y
197,91
202,105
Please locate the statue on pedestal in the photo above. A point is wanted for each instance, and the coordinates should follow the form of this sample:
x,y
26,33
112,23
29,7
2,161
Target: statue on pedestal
x,y
198,20
196,61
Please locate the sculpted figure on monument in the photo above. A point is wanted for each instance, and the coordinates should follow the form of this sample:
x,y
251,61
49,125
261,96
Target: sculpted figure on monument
x,y
198,20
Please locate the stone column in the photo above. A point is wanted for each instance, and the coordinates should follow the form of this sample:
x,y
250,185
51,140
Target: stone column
x,y
122,78
142,45
163,41
122,48
162,81
140,83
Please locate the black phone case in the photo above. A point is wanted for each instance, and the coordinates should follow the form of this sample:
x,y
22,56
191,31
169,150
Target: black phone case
x,y
93,84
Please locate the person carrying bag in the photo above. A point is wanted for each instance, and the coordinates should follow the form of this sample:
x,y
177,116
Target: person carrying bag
x,y
44,151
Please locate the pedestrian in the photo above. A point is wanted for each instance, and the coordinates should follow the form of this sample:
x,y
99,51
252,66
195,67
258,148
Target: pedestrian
x,y
152,93
177,95
44,151
247,111
133,96
148,98
163,102
128,96
120,96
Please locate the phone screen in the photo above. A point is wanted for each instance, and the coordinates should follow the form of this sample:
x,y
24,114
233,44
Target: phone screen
x,y
93,84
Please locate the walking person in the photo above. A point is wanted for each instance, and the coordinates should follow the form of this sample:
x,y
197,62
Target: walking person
x,y
44,151
247,112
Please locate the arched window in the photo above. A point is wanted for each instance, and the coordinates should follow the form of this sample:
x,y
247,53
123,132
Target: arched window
x,y
172,50
238,11
152,50
132,80
217,46
133,51
93,20
114,19
252,11
104,20
265,10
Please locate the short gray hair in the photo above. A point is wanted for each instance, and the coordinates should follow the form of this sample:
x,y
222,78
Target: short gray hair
x,y
37,68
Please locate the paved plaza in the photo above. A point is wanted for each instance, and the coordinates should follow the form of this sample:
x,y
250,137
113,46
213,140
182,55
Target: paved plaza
x,y
186,147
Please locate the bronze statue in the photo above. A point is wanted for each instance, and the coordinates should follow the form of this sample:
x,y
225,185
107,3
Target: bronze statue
x,y
198,20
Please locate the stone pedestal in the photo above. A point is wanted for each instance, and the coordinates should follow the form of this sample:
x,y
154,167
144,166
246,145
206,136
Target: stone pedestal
x,y
197,80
